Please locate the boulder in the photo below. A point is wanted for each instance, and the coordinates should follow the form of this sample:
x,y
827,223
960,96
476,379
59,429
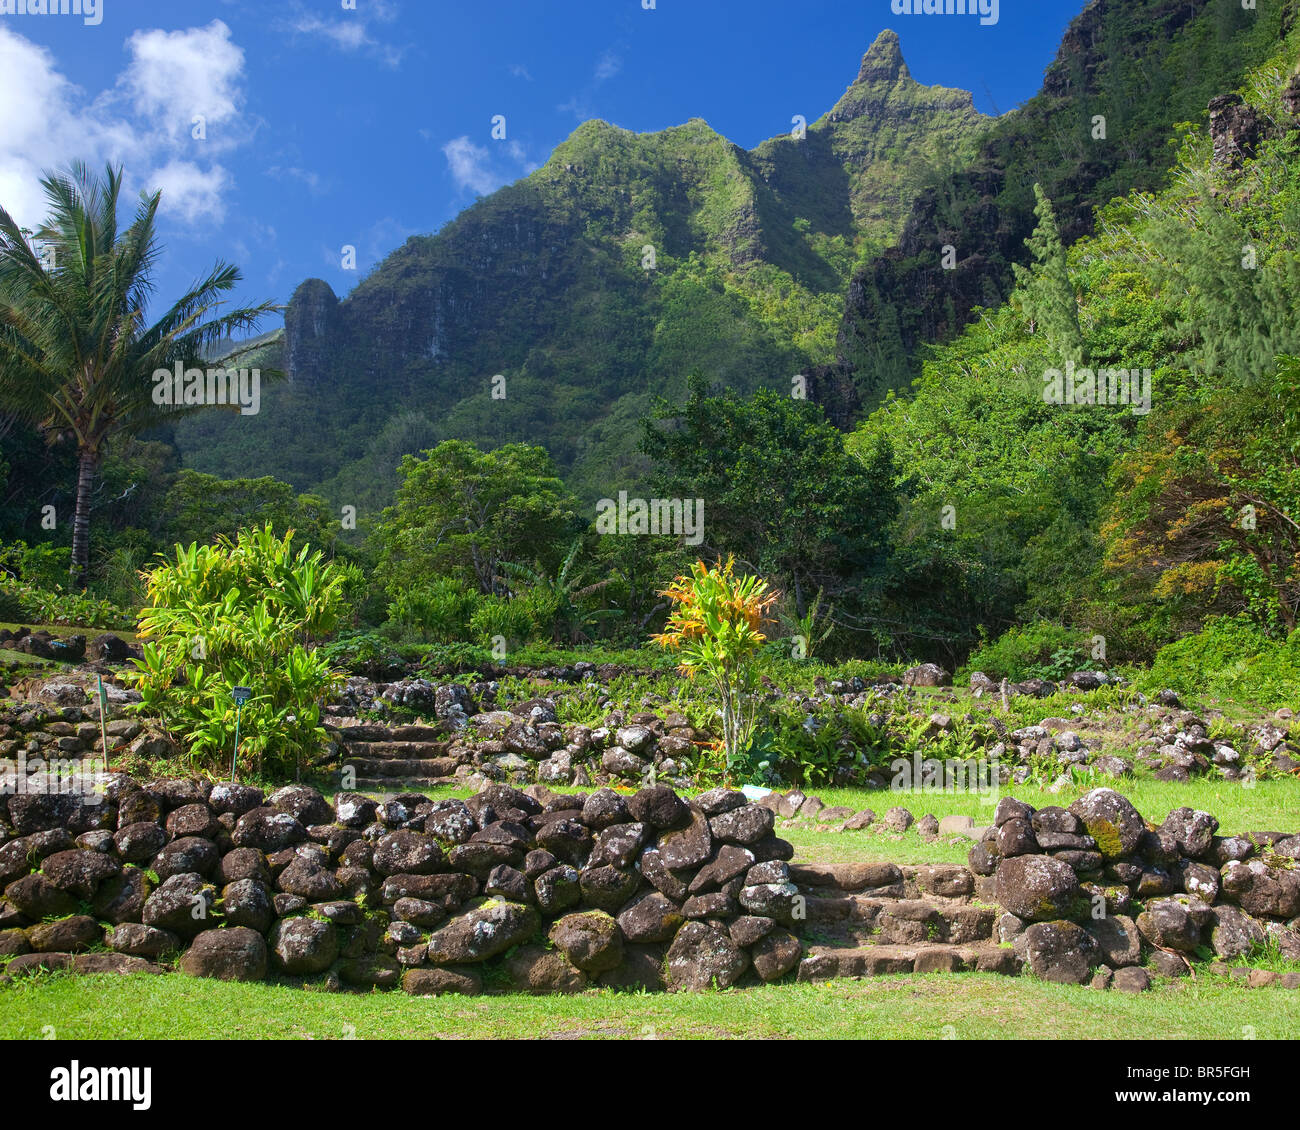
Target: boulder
x,y
80,872
1119,942
1111,820
268,829
234,953
36,897
303,946
490,928
405,852
1036,888
591,940
688,846
651,918
183,904
1060,951
775,954
703,956
557,889
1175,923
1192,830
536,969
139,940
1234,933
467,982
745,825
67,935
1260,890
658,806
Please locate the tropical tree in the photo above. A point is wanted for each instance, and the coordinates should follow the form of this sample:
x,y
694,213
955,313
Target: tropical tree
x,y
460,512
77,353
781,492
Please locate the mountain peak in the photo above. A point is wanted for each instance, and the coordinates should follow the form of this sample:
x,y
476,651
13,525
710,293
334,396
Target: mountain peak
x,y
883,61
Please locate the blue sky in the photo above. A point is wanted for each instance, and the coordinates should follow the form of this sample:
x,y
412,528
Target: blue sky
x,y
325,126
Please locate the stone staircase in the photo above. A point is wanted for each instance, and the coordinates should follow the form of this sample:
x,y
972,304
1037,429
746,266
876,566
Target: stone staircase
x,y
390,759
870,919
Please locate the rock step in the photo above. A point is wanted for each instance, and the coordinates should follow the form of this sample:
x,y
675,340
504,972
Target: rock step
x,y
415,767
947,880
826,964
404,750
372,732
382,786
903,921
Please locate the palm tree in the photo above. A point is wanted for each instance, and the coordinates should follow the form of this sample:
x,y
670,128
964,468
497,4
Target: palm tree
x,y
76,354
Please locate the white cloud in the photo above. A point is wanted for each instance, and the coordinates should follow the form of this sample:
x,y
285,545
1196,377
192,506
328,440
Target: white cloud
x,y
349,30
483,169
190,193
608,66
142,122
30,143
469,164
177,75
518,70
291,172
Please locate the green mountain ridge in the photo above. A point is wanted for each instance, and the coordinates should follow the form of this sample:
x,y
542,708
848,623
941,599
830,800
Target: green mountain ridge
x,y
544,283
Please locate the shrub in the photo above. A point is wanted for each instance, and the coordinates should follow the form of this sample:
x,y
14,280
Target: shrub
x,y
440,612
1232,658
1041,649
509,619
363,653
240,613
32,590
458,657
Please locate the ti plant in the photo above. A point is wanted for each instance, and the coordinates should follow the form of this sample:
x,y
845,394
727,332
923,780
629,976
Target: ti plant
x,y
715,627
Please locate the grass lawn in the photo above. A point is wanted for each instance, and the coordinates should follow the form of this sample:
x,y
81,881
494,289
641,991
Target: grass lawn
x,y
935,1006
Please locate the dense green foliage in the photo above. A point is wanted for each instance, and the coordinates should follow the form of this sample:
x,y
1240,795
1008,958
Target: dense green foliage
x,y
240,613
1131,521
779,490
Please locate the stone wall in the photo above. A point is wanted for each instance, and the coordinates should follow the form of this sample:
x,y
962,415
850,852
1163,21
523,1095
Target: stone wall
x,y
622,890
543,892
1095,885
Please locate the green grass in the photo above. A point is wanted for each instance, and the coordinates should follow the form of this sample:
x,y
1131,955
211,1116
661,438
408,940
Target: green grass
x,y
965,1006
1272,803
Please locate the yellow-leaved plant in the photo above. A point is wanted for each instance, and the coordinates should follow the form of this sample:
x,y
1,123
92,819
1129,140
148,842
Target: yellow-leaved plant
x,y
716,627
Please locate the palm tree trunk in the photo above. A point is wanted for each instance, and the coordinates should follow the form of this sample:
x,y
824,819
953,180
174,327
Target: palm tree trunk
x,y
81,523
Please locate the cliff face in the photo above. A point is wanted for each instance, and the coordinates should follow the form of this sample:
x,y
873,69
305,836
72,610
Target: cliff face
x,y
308,328
856,170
